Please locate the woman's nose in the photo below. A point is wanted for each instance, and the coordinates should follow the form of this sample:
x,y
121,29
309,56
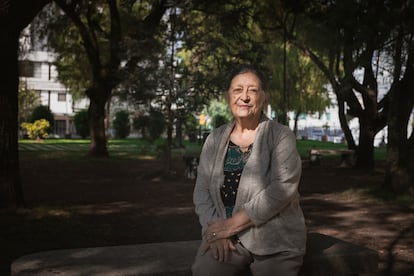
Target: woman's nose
x,y
245,96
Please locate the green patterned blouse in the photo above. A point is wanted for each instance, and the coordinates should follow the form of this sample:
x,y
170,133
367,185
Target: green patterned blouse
x,y
233,168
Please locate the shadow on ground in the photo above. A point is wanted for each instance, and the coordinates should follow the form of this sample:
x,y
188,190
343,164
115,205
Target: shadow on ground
x,y
72,205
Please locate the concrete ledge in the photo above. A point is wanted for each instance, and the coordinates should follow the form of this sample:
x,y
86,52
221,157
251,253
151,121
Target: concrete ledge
x,y
167,258
325,256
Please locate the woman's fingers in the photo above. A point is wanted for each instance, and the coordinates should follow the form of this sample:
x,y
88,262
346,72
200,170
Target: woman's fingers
x,y
226,251
214,251
232,247
220,251
204,247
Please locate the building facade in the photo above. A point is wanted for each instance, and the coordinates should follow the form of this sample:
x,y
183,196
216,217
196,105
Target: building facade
x,y
38,73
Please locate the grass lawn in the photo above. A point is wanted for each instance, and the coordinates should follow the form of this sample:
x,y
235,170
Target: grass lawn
x,y
131,148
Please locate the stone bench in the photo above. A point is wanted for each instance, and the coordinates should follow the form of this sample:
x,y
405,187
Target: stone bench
x,y
326,255
347,156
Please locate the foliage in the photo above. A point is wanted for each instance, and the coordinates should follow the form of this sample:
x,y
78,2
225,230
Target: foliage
x,y
151,126
90,39
28,99
358,53
219,120
156,124
305,83
140,74
191,125
81,122
349,45
37,129
43,112
127,31
121,124
71,61
140,123
216,36
219,112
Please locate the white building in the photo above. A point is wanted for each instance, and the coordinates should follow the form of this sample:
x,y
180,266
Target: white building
x,y
39,74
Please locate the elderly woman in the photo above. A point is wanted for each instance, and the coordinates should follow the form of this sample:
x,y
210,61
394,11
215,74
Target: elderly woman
x,y
246,193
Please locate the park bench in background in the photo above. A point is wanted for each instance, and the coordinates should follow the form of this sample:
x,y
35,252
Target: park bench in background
x,y
326,255
347,156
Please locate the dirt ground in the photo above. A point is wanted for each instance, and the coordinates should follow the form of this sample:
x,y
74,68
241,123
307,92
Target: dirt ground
x,y
83,204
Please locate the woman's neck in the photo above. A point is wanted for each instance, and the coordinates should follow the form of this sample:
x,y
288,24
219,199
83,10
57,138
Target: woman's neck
x,y
244,132
246,124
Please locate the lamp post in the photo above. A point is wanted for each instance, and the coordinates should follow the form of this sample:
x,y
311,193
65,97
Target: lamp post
x,y
201,122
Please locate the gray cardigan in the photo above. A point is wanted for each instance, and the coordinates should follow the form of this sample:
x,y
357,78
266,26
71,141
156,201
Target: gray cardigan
x,y
268,188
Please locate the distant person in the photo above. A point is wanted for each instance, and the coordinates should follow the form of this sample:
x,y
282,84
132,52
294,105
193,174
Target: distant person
x,y
246,192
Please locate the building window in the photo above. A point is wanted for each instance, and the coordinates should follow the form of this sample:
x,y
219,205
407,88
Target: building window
x,y
37,70
30,69
60,128
26,68
61,97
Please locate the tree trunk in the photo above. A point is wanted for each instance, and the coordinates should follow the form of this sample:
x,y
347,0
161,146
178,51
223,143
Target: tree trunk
x,y
365,149
11,193
179,132
400,152
169,147
13,19
367,131
343,121
98,99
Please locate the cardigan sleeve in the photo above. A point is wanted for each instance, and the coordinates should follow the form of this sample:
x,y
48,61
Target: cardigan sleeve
x,y
204,205
285,172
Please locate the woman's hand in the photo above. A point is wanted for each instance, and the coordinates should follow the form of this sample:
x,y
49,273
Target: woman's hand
x,y
220,249
218,229
226,228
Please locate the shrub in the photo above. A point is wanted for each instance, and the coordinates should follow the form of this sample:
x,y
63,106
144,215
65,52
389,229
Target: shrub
x,y
191,126
37,129
151,126
81,122
121,124
43,112
156,124
141,124
219,119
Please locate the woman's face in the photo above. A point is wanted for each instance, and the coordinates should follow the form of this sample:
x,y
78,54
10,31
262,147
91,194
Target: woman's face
x,y
245,96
